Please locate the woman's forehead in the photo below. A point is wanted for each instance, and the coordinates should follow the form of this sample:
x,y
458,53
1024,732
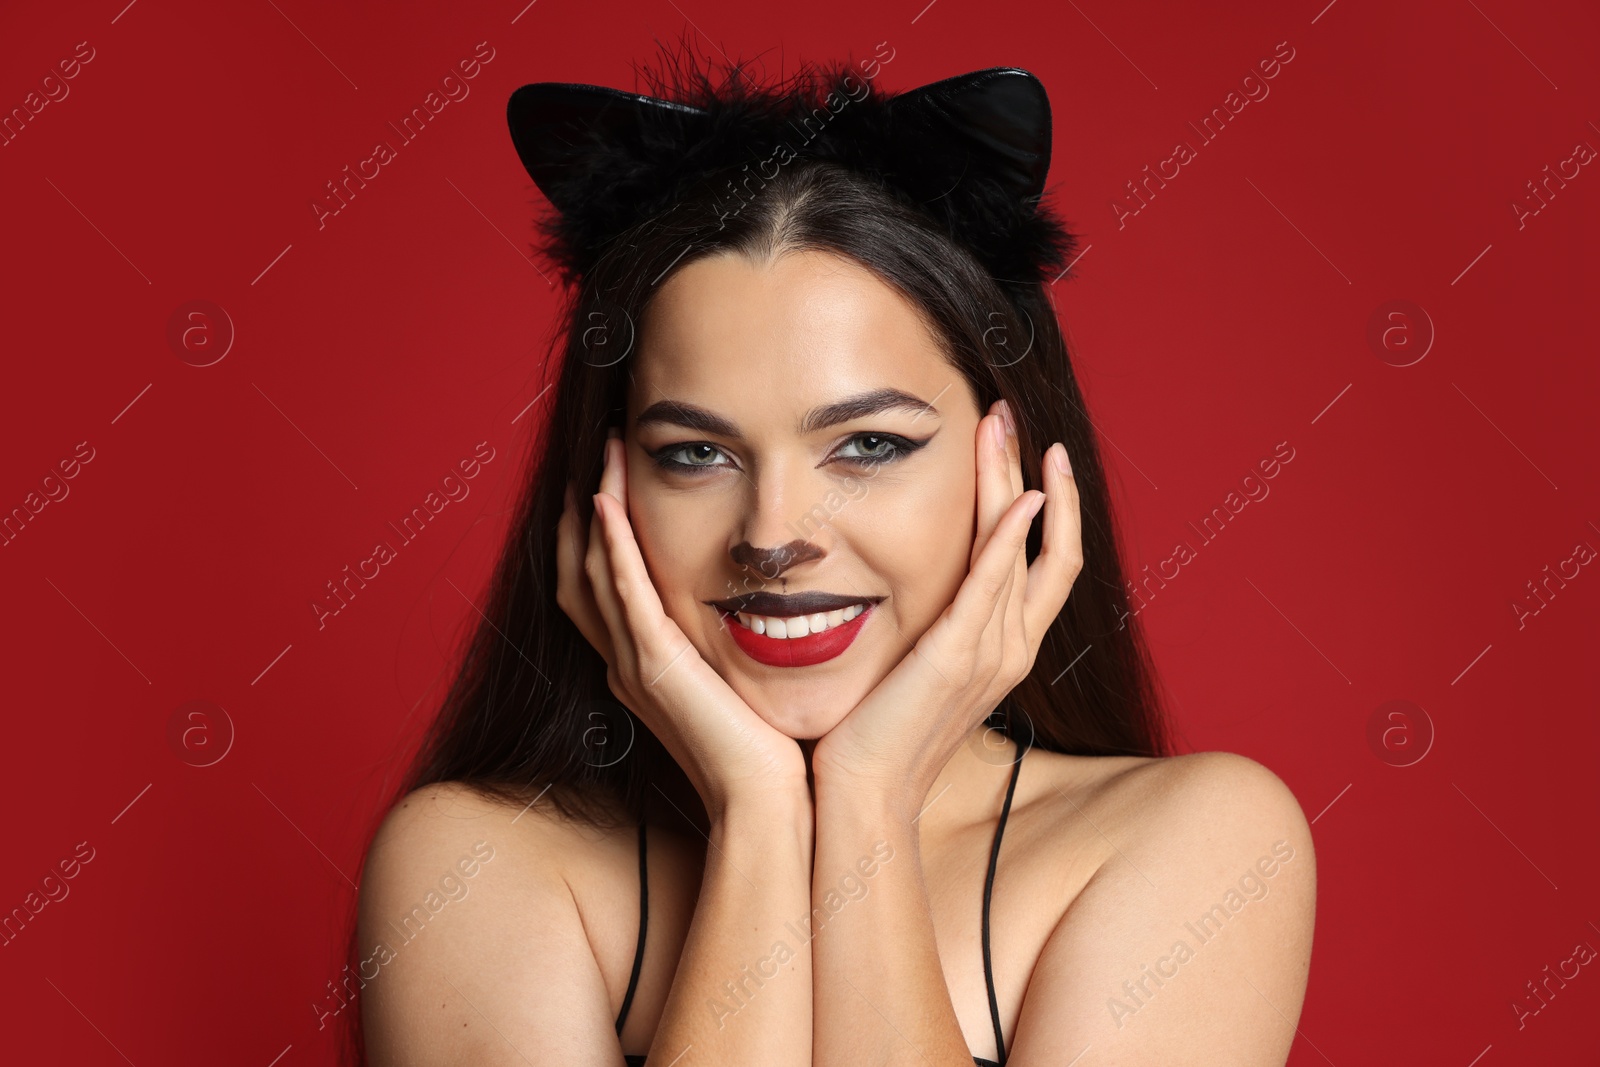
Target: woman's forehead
x,y
790,333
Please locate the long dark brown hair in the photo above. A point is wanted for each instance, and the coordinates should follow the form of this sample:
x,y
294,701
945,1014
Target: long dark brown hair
x,y
529,713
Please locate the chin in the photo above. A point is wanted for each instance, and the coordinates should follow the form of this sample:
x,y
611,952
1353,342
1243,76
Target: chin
x,y
805,716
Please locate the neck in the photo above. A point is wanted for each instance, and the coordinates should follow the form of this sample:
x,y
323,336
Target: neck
x,y
965,790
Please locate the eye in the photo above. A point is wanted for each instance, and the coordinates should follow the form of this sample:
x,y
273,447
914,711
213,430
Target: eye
x,y
864,450
875,448
664,460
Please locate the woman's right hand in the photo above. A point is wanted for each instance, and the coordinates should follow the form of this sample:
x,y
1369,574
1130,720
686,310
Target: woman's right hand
x,y
726,749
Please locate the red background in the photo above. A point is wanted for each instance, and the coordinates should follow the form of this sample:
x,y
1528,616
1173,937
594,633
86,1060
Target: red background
x,y
1230,314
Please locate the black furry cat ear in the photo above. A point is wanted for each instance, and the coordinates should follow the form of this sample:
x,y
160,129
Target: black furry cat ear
x,y
971,152
553,125
993,123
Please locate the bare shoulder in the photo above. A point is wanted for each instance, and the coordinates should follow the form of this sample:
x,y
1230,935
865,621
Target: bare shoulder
x,y
449,841
1213,783
466,918
445,815
1189,802
1142,784
1196,924
1198,814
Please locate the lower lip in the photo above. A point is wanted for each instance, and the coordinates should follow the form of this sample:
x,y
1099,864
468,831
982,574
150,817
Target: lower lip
x,y
797,651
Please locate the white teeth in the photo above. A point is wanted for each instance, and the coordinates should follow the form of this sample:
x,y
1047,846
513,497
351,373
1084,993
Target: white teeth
x,y
799,625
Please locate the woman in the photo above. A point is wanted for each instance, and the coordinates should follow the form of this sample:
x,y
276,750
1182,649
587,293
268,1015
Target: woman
x,y
783,511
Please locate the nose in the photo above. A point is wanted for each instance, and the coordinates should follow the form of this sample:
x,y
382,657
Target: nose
x,y
772,562
771,525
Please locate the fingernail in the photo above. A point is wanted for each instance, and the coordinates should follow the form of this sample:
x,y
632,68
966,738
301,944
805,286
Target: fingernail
x,y
1038,502
1005,413
998,432
1059,458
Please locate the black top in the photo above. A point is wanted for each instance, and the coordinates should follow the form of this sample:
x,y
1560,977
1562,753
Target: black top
x,y
637,1059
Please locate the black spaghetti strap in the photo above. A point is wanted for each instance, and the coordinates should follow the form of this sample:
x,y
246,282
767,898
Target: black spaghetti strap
x,y
988,889
644,918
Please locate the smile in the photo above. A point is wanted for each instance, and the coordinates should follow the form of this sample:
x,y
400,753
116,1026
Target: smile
x,y
797,640
798,626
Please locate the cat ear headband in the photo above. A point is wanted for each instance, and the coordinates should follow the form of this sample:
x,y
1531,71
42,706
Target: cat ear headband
x,y
971,152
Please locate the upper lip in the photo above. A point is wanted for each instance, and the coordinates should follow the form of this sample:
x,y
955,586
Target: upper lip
x,y
787,605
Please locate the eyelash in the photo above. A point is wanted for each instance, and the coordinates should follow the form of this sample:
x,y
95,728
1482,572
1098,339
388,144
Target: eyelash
x,y
901,448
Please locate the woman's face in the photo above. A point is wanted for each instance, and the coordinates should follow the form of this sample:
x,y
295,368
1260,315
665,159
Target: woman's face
x,y
750,473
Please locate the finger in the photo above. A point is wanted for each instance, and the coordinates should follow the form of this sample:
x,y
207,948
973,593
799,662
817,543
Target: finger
x,y
999,484
1011,607
1002,634
1013,450
636,593
614,475
975,601
994,481
641,613
614,483
1060,560
573,590
598,566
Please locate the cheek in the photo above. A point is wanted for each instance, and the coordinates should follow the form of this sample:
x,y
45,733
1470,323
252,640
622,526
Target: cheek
x,y
920,533
680,543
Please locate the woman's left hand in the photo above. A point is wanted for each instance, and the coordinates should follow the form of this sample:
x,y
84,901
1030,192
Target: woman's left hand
x,y
892,745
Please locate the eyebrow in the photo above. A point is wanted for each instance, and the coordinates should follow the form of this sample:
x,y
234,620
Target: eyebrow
x,y
681,413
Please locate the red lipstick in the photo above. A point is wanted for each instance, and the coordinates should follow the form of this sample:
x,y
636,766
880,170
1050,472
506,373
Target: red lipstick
x,y
797,651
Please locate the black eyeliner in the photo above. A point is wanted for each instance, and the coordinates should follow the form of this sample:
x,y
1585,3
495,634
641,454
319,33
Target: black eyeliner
x,y
904,448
